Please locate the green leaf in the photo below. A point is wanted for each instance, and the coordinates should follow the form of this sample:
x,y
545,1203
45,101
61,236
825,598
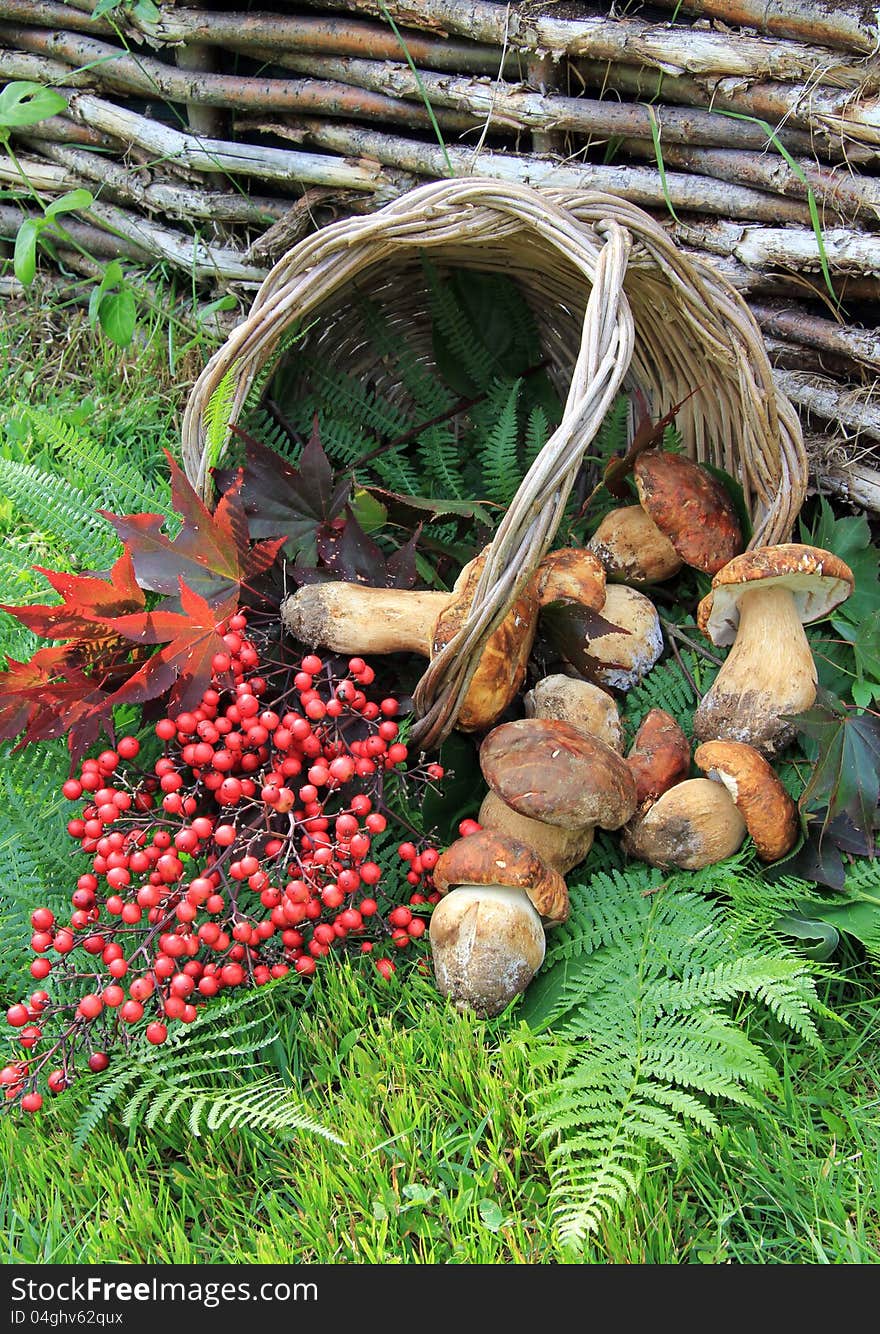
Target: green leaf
x,y
462,789
826,936
370,513
846,774
850,539
24,103
69,203
117,316
146,11
491,1214
24,261
418,1196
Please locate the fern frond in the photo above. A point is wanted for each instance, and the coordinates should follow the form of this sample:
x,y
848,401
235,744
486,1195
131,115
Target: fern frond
x,y
108,476
537,435
635,1007
52,504
218,415
498,452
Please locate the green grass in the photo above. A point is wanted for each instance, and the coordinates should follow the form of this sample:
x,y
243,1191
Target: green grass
x,y
439,1161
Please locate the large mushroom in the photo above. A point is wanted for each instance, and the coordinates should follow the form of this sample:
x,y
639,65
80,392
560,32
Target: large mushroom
x,y
487,934
356,618
684,517
619,658
759,603
692,825
660,756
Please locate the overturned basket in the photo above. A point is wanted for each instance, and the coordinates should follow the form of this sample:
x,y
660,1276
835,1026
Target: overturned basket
x,y
614,301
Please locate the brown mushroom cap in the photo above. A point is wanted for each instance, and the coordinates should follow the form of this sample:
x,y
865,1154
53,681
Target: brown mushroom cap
x,y
558,848
660,756
550,771
816,579
689,507
770,814
491,858
505,654
693,825
571,572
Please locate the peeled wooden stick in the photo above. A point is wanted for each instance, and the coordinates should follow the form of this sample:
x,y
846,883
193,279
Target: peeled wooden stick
x,y
851,27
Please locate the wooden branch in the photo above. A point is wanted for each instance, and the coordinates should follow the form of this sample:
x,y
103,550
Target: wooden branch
x,y
518,105
127,187
245,32
92,239
794,248
847,286
848,471
791,321
846,119
853,198
112,68
655,45
175,147
641,185
847,27
851,408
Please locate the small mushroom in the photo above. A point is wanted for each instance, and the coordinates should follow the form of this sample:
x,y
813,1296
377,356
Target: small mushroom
x,y
620,658
692,825
660,756
770,814
684,517
550,771
355,618
487,934
759,603
582,704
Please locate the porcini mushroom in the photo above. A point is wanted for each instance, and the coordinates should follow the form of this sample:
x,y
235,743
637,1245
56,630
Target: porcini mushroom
x,y
557,847
582,704
660,756
356,618
487,934
692,825
684,517
572,573
620,658
759,603
550,771
770,814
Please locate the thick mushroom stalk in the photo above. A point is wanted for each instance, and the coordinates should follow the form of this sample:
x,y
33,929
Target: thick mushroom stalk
x,y
355,618
487,943
487,935
759,603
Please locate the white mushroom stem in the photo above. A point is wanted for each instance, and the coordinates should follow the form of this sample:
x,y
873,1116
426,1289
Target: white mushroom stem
x,y
487,943
769,672
355,618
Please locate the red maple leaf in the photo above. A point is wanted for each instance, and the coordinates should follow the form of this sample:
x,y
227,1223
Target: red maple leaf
x,y
49,696
212,551
190,639
89,601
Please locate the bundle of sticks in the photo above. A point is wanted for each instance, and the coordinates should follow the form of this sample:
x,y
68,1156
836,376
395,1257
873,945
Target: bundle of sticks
x,y
211,140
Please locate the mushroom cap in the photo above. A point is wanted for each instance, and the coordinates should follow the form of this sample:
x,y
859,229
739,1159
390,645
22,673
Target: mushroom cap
x,y
660,756
571,572
582,704
550,771
622,657
689,507
692,825
632,548
558,848
770,814
492,858
487,944
505,654
817,580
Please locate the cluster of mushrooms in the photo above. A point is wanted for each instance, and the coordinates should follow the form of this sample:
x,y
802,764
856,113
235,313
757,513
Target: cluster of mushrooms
x,y
560,772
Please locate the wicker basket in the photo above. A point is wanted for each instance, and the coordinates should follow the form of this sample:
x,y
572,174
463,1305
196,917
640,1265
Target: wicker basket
x,y
616,303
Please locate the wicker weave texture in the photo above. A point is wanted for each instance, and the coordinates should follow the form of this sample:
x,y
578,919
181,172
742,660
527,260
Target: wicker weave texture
x,y
617,305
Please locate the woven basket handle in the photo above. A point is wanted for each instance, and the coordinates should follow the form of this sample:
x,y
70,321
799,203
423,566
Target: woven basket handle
x,y
529,526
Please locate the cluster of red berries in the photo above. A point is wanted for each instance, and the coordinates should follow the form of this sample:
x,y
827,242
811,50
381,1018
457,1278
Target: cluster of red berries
x,y
242,853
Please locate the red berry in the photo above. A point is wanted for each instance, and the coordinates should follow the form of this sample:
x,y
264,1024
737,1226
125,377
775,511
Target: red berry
x,y
385,967
90,1006
469,827
72,789
156,1032
98,1061
32,1102
131,1012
